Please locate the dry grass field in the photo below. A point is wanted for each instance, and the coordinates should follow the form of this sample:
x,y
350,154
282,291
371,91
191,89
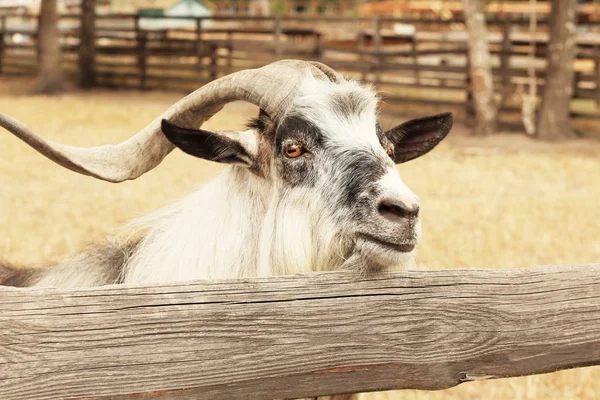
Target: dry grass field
x,y
503,202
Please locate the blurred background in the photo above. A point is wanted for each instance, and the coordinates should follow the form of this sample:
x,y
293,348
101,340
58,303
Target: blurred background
x,y
516,184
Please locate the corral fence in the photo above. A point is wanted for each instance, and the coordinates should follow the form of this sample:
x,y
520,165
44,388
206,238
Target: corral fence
x,y
415,63
297,336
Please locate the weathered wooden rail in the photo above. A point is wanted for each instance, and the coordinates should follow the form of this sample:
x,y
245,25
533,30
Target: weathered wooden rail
x,y
291,337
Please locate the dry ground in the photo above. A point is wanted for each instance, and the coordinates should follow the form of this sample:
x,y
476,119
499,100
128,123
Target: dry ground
x,y
503,202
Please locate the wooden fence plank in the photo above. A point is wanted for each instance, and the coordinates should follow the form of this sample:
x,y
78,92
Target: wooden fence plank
x,y
299,336
87,44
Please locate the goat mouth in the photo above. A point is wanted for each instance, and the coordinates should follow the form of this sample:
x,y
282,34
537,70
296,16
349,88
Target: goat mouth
x,y
399,247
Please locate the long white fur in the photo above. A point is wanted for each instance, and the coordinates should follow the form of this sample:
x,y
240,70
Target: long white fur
x,y
211,234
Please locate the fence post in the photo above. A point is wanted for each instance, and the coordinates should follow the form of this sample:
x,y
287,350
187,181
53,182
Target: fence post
x,y
229,51
377,46
38,50
277,33
199,44
214,57
415,56
469,105
361,57
443,82
87,44
597,75
141,50
318,49
2,33
576,78
505,59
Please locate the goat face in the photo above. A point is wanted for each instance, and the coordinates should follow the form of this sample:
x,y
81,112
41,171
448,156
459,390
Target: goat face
x,y
336,194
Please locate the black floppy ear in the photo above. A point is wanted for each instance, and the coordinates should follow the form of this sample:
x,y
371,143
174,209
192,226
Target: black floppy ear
x,y
416,137
212,146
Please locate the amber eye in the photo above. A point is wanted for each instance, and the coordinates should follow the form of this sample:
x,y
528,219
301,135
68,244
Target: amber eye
x,y
293,150
390,152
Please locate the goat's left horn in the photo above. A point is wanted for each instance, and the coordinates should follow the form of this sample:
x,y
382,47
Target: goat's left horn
x,y
271,87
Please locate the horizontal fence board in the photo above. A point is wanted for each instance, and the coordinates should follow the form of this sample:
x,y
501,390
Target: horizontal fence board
x,y
287,337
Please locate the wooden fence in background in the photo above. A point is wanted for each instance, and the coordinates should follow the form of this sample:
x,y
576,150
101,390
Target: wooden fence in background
x,y
427,67
300,336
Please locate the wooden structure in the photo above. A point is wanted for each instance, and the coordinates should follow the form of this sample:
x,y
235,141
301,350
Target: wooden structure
x,y
449,9
425,66
18,6
287,7
300,336
87,45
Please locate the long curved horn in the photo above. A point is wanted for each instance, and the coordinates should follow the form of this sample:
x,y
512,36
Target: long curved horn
x,y
271,87
331,73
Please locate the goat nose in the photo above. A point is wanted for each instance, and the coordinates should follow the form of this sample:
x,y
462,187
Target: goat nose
x,y
396,210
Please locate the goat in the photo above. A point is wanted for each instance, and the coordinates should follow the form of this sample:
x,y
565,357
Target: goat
x,y
311,185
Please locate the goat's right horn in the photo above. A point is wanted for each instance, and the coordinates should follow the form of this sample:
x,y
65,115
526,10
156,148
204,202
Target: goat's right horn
x,y
271,87
331,73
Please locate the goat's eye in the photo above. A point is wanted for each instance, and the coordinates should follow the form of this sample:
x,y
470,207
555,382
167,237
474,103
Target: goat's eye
x,y
293,150
390,152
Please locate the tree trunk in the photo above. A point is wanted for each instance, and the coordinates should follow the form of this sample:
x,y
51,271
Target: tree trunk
x,y
87,44
50,73
480,69
554,122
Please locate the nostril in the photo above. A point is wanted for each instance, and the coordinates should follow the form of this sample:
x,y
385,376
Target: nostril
x,y
396,209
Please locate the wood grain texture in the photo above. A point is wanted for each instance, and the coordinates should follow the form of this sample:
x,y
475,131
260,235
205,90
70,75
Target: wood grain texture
x,y
297,336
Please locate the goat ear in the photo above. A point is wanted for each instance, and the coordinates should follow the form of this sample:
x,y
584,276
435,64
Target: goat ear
x,y
416,137
212,146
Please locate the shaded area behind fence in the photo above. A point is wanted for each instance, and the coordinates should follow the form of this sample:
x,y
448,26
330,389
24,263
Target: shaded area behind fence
x,y
413,62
